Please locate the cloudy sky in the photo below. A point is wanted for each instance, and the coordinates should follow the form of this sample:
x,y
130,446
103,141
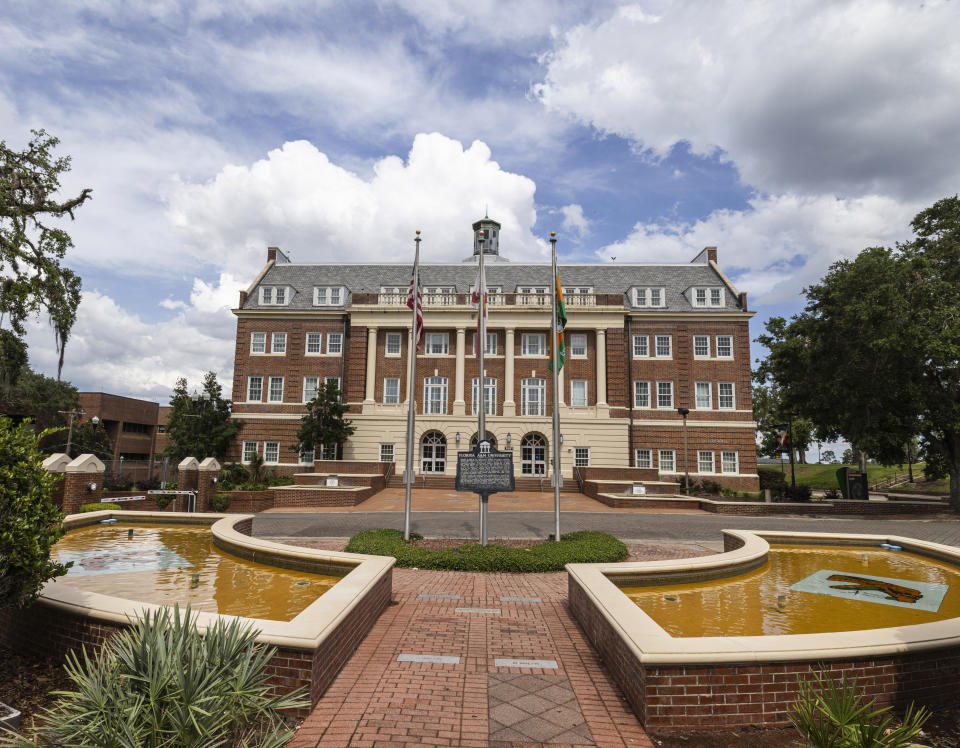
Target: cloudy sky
x,y
787,134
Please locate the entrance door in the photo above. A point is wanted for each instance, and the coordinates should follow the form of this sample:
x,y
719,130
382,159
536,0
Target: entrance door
x,y
433,453
533,455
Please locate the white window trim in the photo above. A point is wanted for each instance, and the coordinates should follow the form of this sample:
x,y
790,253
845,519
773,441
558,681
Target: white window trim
x,y
328,296
270,390
644,294
586,393
255,376
660,467
287,295
306,344
578,449
541,344
426,343
524,388
317,389
334,336
243,451
658,406
725,358
271,462
694,346
636,458
273,343
708,297
474,395
736,462
385,401
386,345
653,350
713,462
444,391
311,452
393,453
486,351
585,345
258,353
649,404
633,347
733,396
696,397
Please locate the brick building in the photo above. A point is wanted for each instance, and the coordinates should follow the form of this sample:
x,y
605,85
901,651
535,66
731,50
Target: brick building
x,y
642,341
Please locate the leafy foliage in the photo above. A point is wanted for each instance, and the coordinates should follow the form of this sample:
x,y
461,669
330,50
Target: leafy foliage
x,y
221,502
576,547
200,426
30,523
873,356
161,684
30,247
237,477
770,413
836,715
324,422
99,507
39,398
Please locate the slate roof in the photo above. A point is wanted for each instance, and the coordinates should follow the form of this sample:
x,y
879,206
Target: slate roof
x,y
604,278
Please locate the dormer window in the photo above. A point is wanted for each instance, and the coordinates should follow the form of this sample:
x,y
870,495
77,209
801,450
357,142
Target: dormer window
x,y
275,295
328,295
650,297
707,297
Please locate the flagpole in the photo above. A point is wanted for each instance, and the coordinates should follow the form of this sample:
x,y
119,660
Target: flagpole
x,y
555,345
481,382
412,389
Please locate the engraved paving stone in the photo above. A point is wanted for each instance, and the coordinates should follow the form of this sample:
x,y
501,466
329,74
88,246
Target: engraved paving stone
x,y
535,708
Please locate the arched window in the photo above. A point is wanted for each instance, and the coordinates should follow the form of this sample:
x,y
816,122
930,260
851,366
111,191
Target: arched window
x,y
533,455
433,452
490,438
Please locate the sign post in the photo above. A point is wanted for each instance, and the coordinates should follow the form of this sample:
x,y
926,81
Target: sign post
x,y
484,471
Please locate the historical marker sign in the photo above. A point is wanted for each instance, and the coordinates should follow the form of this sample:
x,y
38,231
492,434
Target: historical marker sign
x,y
484,470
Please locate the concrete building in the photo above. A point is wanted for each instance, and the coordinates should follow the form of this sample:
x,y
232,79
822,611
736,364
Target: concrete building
x,y
642,341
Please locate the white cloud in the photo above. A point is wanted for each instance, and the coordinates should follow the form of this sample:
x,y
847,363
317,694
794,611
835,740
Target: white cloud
x,y
780,244
815,96
315,210
574,220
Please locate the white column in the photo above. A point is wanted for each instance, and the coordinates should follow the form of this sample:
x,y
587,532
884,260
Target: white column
x,y
459,405
371,364
601,368
509,406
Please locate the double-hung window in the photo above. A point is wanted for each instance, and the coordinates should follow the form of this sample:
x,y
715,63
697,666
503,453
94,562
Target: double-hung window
x,y
701,346
386,453
254,389
643,297
258,342
533,397
275,393
578,392
724,346
391,391
643,458
716,297
335,343
533,344
729,462
668,461
310,385
394,342
489,396
704,400
435,395
249,451
436,343
725,395
327,295
306,456
641,346
274,295
641,394
491,347
705,461
314,340
581,456
271,452
664,394
578,346
699,297
278,342
664,346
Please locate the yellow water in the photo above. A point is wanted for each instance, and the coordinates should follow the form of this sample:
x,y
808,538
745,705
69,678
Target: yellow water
x,y
225,584
750,604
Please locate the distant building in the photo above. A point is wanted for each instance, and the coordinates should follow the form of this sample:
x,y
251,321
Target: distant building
x,y
135,427
642,341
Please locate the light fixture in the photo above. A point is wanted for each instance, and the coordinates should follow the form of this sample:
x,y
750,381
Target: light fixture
x,y
213,480
91,486
457,437
95,421
561,438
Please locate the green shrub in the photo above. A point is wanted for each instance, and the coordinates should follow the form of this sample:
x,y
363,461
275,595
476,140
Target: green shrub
x,y
99,507
576,547
832,715
221,502
160,683
710,487
798,493
162,500
233,475
770,478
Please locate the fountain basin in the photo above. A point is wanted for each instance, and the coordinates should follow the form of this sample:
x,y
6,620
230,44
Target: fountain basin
x,y
312,645
695,682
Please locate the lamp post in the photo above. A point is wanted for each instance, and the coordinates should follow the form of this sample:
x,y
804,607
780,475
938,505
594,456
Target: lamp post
x,y
71,414
200,405
686,469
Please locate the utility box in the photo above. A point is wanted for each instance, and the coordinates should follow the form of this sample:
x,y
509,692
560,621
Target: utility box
x,y
853,484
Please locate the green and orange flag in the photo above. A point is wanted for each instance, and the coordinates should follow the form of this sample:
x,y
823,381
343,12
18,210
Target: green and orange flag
x,y
561,323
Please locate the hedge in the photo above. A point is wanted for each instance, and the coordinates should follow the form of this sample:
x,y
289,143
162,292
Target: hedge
x,y
585,546
99,507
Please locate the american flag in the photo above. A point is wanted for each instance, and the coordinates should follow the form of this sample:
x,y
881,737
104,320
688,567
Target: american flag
x,y
418,333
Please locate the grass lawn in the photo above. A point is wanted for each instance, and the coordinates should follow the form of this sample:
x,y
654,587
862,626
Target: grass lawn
x,y
825,476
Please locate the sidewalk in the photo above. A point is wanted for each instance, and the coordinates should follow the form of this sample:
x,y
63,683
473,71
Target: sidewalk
x,y
384,697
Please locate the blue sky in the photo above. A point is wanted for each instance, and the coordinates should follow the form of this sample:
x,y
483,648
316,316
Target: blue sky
x,y
789,135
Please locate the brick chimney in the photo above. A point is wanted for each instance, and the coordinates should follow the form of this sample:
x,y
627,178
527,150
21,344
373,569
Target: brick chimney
x,y
711,253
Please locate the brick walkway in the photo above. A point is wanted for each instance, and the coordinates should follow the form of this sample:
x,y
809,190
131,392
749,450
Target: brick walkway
x,y
377,701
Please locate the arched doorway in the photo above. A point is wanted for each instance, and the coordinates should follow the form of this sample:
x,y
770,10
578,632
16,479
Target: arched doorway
x,y
533,455
433,452
490,438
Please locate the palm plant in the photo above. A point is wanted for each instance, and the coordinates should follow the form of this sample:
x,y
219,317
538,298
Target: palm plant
x,y
161,684
836,715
